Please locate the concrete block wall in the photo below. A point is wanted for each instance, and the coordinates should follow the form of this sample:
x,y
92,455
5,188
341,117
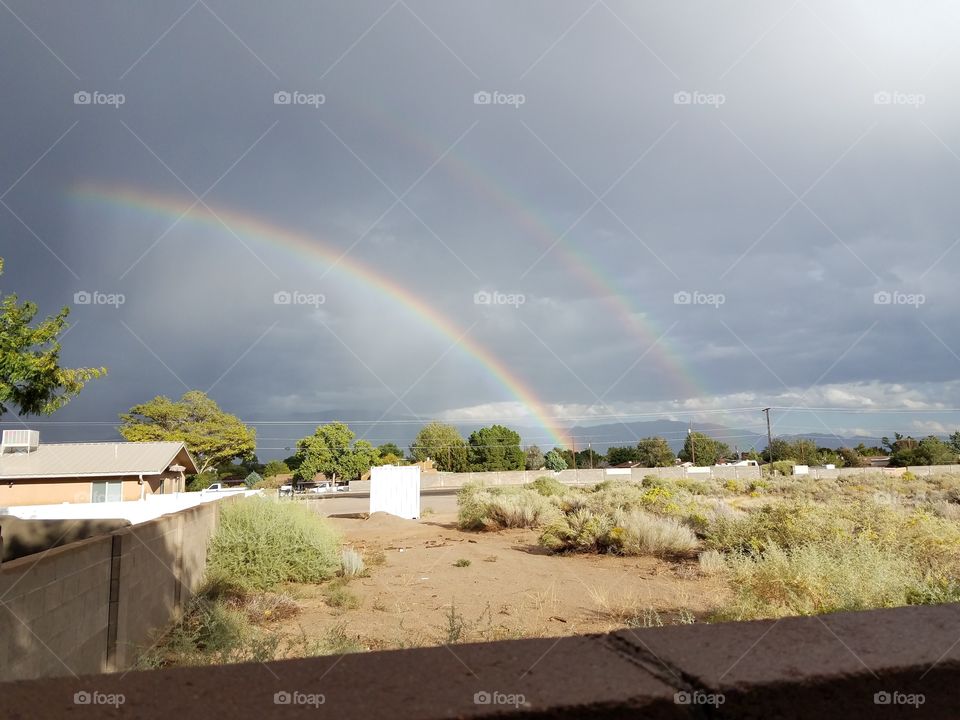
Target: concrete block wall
x,y
54,611
88,607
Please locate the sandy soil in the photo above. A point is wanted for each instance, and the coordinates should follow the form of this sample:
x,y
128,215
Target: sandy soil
x,y
415,594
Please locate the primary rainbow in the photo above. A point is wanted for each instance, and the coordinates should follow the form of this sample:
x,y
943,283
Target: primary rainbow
x,y
311,248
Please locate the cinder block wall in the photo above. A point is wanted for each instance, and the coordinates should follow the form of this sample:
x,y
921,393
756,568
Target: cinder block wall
x,y
89,606
53,611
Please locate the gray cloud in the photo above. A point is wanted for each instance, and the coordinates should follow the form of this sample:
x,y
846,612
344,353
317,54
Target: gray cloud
x,y
809,166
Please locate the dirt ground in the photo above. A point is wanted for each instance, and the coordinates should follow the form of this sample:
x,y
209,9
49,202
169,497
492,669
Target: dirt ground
x,y
420,589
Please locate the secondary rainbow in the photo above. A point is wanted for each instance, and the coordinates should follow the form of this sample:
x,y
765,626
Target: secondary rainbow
x,y
309,247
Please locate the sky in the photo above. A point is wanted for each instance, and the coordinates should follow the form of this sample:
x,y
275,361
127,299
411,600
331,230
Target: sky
x,y
540,213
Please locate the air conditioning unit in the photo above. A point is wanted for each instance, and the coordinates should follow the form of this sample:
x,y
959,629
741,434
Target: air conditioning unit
x,y
19,441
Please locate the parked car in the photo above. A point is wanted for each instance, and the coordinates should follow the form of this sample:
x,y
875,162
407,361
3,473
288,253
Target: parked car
x,y
216,488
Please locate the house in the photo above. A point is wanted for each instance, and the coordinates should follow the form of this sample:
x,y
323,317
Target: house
x,y
35,473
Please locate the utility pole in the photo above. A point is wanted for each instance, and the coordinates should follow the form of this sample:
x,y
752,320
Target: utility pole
x,y
769,436
693,444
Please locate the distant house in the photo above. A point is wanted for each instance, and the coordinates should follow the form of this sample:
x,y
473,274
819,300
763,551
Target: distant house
x,y
877,461
34,473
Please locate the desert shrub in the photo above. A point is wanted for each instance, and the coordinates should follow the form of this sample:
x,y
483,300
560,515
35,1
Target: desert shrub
x,y
351,563
712,562
548,487
472,500
786,525
480,508
579,531
641,533
261,543
338,595
211,632
633,532
758,486
694,487
813,579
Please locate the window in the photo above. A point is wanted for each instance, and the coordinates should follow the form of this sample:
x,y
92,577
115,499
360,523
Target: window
x,y
107,491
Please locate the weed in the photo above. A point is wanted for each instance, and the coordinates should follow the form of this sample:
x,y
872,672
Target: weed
x,y
462,562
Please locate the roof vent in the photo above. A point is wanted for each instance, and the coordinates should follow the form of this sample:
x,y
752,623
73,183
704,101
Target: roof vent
x,y
19,441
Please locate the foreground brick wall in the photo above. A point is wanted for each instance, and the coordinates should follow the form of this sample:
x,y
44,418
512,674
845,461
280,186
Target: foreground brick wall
x,y
87,607
881,664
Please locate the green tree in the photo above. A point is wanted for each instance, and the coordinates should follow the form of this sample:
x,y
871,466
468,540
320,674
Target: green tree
x,y
213,436
929,451
621,455
707,450
656,452
554,461
328,451
275,467
495,448
850,457
533,458
590,458
31,378
955,441
778,450
442,444
358,460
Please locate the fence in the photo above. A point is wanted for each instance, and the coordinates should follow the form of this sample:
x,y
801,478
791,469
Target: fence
x,y
433,481
88,606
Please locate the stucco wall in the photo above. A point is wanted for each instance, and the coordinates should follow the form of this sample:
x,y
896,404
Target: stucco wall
x,y
55,606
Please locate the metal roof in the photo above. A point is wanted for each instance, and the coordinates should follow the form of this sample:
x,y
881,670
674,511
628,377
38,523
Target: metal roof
x,y
54,460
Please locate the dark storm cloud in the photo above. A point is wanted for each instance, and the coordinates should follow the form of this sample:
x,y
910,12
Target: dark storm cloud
x,y
798,162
